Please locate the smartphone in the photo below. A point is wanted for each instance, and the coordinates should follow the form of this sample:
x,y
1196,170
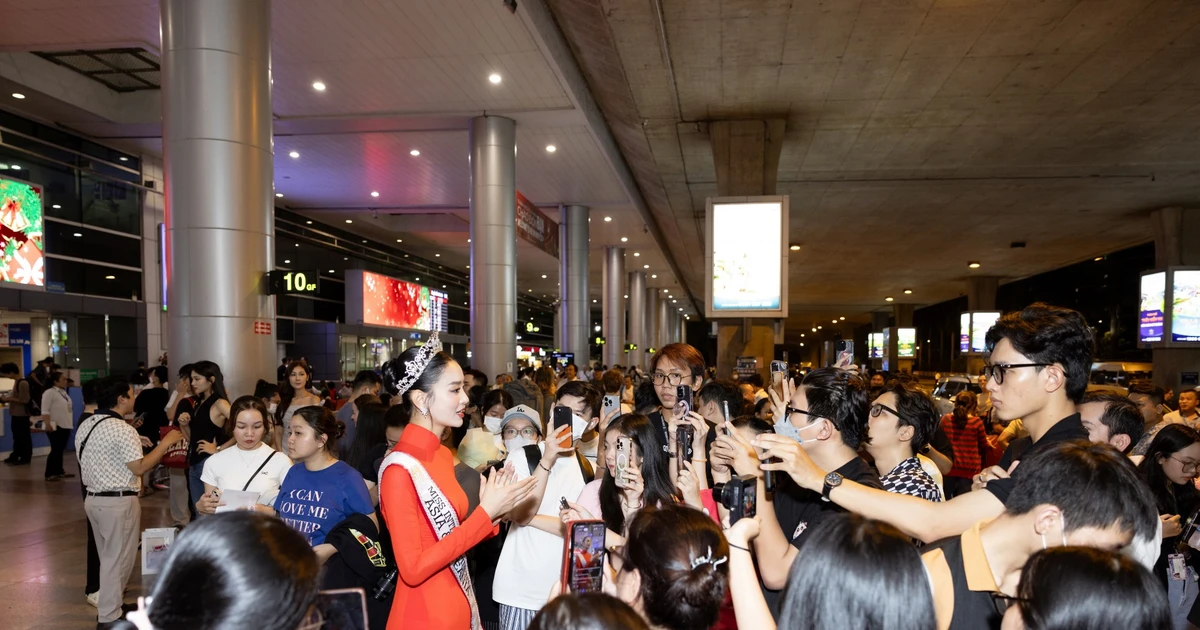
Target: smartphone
x,y
562,417
562,503
583,557
339,609
778,373
739,496
683,445
683,398
728,420
611,401
844,350
624,448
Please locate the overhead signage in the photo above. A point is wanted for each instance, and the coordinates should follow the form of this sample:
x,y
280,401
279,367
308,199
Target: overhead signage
x,y
981,323
1185,305
964,333
535,227
746,257
1151,315
875,345
378,300
280,282
906,342
22,259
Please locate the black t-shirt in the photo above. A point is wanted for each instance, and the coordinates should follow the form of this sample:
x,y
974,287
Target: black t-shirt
x,y
203,429
661,431
800,510
151,405
369,468
1067,429
941,442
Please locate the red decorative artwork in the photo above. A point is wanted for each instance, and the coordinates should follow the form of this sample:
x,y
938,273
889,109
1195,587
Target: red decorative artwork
x,y
395,303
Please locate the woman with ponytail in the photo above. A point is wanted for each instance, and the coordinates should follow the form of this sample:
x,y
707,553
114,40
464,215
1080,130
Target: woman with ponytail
x,y
319,491
968,439
293,395
422,502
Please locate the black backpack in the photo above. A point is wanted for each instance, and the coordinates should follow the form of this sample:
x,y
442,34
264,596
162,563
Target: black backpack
x,y
34,406
533,455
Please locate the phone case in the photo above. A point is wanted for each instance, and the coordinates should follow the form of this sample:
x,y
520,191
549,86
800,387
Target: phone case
x,y
622,461
583,565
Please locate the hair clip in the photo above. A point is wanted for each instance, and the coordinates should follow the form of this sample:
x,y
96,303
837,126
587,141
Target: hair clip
x,y
708,559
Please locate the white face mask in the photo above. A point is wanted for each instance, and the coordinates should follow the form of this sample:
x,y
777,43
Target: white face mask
x,y
578,426
518,443
492,423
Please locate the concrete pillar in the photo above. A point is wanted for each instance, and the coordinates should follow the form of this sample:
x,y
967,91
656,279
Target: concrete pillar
x,y
493,157
903,314
664,321
637,317
1176,231
219,168
614,306
880,320
981,293
573,279
682,335
652,339
39,340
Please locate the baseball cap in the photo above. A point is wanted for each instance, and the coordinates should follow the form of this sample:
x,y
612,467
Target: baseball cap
x,y
523,411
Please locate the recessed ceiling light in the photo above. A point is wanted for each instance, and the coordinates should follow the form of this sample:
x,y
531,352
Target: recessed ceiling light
x,y
835,321
364,240
437,255
123,158
637,254
654,276
1098,258
814,330
666,290
794,247
624,239
414,153
543,276
287,262
973,264
399,240
308,223
18,95
607,219
468,240
645,266
345,258
56,206
819,327
550,148
331,271
349,220
529,290
674,301
15,167
842,319
908,292
294,154
297,244
593,301
888,299
110,277
318,86
418,280
374,193
680,310
78,235
494,78
279,195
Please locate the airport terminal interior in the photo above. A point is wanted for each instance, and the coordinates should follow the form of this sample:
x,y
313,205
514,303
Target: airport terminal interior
x,y
779,185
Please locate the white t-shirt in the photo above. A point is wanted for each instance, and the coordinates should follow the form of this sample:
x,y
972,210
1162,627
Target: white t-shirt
x,y
229,470
531,560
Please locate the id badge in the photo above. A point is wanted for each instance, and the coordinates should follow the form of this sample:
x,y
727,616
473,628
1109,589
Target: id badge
x,y
1177,567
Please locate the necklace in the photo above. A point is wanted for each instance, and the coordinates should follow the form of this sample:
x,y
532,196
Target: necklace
x,y
247,457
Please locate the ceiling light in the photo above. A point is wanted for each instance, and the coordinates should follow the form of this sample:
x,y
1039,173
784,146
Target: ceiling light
x,y
331,271
624,239
414,153
835,321
814,330
680,310
349,220
437,255
645,266
842,319
674,301
625,296
593,301
56,206
654,276
888,299
294,154
345,258
529,290
374,193
364,240
543,276
1098,258
279,195
494,78
908,292
550,148
820,327
297,244
110,277
78,235
666,290
287,262
123,158
318,86
418,280
399,240
794,247
15,167
308,223
468,240
18,95
607,219
973,264
637,254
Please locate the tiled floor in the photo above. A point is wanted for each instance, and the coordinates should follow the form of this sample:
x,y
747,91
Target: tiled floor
x,y
43,555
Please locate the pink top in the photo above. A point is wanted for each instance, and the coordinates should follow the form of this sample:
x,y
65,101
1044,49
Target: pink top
x,y
589,499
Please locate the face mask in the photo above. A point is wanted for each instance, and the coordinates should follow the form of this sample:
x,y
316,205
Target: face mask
x,y
515,444
492,423
272,407
789,430
578,426
1063,525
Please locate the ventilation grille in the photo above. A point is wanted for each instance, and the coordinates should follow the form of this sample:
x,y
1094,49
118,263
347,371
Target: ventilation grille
x,y
120,69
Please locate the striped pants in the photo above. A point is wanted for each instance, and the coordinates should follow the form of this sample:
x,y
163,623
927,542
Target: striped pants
x,y
512,618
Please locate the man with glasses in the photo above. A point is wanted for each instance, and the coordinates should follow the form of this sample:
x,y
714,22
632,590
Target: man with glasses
x,y
901,424
1040,360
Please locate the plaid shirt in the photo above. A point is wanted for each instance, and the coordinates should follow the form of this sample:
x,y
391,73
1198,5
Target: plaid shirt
x,y
909,478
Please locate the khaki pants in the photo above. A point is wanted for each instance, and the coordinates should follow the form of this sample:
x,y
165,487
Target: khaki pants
x,y
180,508
117,523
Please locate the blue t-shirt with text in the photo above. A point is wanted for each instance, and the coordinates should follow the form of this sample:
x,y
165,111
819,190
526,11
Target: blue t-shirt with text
x,y
314,502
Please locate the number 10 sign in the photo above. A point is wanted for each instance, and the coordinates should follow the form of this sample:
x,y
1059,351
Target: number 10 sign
x,y
293,282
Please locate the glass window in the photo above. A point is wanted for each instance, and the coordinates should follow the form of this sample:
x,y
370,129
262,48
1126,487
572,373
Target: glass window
x,y
97,280
83,242
60,196
111,205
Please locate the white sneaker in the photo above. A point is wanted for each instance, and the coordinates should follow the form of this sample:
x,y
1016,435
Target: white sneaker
x,y
94,599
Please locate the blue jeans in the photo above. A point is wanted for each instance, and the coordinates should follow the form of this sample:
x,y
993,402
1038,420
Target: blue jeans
x,y
195,486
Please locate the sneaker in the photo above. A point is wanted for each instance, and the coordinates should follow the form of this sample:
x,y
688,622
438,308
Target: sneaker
x,y
94,599
66,476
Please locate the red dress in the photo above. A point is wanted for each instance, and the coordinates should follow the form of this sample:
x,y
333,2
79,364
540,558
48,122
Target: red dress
x,y
428,595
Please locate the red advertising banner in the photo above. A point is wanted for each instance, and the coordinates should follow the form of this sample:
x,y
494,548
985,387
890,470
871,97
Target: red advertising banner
x,y
535,227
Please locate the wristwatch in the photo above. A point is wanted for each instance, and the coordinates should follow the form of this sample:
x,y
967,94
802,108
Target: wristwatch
x,y
832,480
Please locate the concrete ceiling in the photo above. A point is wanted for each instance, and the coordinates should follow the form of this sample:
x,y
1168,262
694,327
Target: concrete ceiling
x,y
920,134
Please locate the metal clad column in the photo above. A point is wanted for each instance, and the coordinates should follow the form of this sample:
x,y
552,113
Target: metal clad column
x,y
652,340
664,320
573,276
219,169
493,160
637,317
614,306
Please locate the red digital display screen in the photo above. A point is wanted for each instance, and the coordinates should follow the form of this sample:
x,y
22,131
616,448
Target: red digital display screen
x,y
395,303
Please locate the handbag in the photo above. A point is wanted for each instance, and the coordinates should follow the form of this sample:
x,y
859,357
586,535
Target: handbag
x,y
176,456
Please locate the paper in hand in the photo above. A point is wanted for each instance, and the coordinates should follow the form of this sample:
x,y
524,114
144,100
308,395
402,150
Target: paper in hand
x,y
237,500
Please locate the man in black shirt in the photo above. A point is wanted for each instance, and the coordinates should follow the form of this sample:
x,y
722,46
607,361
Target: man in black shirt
x,y
826,418
1039,363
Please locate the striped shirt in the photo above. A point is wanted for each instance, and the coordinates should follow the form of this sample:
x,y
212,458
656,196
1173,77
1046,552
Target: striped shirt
x,y
969,444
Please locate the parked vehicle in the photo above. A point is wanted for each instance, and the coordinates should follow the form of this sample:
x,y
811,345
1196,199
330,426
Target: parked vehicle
x,y
1120,373
949,386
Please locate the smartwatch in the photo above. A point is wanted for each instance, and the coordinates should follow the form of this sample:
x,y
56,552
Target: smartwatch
x,y
832,480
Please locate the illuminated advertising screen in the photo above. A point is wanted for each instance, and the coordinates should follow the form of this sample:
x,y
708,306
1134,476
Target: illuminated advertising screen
x,y
21,257
875,344
747,257
906,342
439,311
1151,312
964,333
980,324
1185,305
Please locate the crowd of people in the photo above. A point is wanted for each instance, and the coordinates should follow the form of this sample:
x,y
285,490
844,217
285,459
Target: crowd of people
x,y
822,500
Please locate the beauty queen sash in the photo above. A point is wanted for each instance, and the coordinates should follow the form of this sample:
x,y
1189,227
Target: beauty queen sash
x,y
441,516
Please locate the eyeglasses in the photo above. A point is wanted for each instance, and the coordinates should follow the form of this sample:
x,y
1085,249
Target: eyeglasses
x,y
1002,602
789,410
1189,468
671,379
528,432
998,370
879,408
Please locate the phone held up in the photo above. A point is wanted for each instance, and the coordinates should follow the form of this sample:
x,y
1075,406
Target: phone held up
x,y
683,399
562,417
624,449
684,436
739,495
844,351
583,557
611,401
778,373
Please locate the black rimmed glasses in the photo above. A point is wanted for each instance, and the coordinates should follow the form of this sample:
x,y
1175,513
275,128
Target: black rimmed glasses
x,y
789,410
672,379
1001,602
997,371
879,408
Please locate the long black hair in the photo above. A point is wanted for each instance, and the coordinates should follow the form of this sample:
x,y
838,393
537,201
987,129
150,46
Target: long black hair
x,y
244,558
1064,588
211,370
965,402
657,486
395,370
370,433
287,392
857,573
682,558
587,611
1171,498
